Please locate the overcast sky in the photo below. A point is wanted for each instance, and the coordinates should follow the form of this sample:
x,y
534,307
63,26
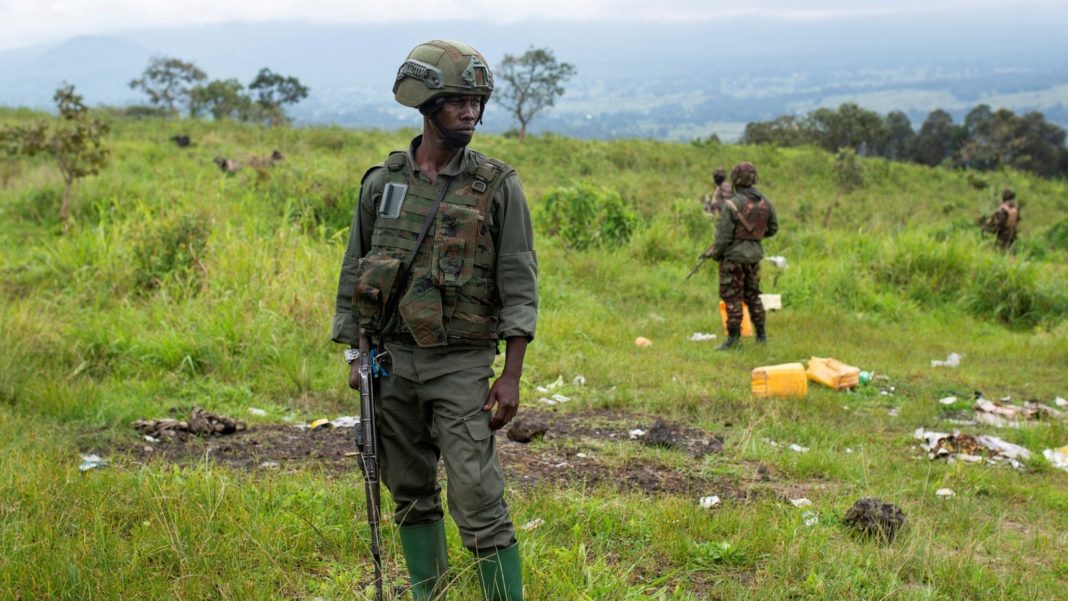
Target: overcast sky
x,y
27,22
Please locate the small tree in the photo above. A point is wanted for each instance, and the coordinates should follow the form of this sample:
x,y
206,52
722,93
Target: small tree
x,y
76,142
534,80
169,82
224,99
273,91
848,170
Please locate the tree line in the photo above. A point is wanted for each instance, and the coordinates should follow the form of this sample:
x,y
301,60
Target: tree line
x,y
986,140
174,86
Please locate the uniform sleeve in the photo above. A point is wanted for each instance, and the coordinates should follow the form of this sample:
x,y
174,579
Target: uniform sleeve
x,y
344,329
724,232
773,222
517,263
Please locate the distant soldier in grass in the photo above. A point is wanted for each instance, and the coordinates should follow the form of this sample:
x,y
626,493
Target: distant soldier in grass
x,y
1004,221
747,218
714,204
440,268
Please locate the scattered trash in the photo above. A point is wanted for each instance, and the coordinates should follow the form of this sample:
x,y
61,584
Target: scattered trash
x,y
849,450
971,449
802,502
549,387
811,519
787,380
559,398
874,517
709,502
151,438
346,421
200,422
949,400
352,453
945,493
319,423
579,380
894,411
1011,416
864,377
702,337
636,433
257,411
532,524
953,360
771,302
1060,402
1057,457
526,428
643,342
582,455
778,260
269,465
832,373
798,448
91,462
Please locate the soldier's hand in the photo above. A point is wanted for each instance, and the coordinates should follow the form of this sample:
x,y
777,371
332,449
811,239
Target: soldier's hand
x,y
505,394
354,375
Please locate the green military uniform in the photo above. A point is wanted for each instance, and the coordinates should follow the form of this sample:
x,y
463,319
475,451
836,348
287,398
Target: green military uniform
x,y
1005,221
473,282
746,219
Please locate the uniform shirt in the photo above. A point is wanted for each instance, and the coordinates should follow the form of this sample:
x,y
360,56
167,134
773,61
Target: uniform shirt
x,y
726,248
516,271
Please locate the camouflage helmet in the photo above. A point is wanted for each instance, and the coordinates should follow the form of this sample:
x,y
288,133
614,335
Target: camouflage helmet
x,y
1007,194
441,68
744,175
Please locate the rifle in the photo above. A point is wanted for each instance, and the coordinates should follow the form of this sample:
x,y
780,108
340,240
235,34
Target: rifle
x,y
704,257
367,443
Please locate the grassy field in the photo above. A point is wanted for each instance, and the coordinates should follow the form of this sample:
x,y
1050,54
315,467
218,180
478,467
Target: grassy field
x,y
177,286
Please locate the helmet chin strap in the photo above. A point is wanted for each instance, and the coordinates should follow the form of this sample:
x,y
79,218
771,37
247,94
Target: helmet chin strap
x,y
452,139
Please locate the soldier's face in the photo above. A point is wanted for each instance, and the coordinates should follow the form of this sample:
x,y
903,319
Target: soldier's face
x,y
460,114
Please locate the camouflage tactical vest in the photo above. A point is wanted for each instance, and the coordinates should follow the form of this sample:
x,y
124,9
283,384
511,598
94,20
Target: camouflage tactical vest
x,y
451,291
752,218
1012,215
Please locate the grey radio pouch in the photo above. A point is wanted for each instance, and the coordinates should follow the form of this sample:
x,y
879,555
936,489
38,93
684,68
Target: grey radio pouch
x,y
392,200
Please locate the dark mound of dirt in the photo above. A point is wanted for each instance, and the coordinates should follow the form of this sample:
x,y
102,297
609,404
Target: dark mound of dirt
x,y
876,518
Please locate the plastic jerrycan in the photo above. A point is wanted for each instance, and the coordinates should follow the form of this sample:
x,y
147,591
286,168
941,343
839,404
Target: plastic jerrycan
x,y
787,380
747,324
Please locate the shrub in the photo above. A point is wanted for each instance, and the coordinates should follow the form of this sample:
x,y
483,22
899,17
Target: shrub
x,y
171,247
584,216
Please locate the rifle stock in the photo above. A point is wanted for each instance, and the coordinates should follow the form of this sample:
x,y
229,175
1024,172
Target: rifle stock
x,y
367,443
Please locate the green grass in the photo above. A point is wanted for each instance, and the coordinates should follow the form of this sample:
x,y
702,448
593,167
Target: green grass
x,y
116,320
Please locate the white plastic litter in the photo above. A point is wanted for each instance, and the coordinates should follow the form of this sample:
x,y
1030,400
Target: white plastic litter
x,y
771,302
579,380
798,448
556,384
702,337
151,438
811,519
559,398
90,462
257,411
346,421
636,433
949,400
709,502
778,260
953,360
1006,449
532,524
894,412
802,502
582,455
1060,402
945,493
269,465
849,450
1057,457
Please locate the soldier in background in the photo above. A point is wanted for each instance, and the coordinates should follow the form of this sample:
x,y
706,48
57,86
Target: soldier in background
x,y
1004,221
747,218
722,192
472,284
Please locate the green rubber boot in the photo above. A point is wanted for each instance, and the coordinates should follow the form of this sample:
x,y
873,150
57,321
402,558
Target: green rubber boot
x,y
500,575
427,557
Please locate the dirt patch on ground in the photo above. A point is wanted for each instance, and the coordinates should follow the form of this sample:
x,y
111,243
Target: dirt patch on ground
x,y
584,450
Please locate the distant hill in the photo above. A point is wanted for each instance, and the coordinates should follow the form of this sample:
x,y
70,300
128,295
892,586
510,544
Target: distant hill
x,y
668,81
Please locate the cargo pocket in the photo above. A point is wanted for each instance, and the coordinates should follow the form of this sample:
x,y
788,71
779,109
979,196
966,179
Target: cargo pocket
x,y
482,476
421,310
376,276
455,242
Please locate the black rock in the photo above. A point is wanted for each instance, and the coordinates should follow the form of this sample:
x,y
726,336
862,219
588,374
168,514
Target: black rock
x,y
660,435
874,517
526,429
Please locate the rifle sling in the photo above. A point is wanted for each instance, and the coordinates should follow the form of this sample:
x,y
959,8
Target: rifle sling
x,y
741,218
402,278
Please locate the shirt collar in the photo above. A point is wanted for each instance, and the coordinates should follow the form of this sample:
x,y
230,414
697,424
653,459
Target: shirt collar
x,y
456,165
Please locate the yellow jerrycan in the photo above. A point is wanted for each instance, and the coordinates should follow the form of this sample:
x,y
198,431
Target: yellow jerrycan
x,y
787,380
747,324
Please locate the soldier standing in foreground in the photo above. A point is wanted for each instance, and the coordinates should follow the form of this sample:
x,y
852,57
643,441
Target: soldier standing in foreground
x,y
747,218
714,204
1004,221
437,326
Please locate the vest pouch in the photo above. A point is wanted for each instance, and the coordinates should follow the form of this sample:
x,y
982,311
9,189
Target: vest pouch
x,y
376,275
455,242
421,310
